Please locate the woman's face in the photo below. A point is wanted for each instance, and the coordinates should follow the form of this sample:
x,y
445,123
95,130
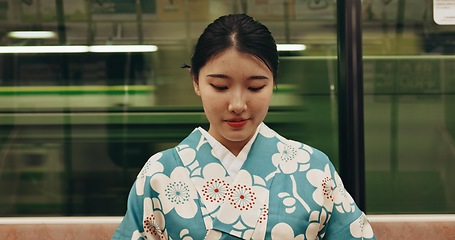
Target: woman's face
x,y
236,89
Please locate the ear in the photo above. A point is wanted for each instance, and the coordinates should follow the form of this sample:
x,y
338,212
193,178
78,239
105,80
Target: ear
x,y
196,87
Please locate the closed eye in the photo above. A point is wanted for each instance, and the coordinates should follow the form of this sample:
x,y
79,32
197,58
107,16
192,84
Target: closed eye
x,y
219,88
256,89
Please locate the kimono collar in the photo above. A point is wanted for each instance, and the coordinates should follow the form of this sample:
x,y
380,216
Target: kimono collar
x,y
230,162
238,205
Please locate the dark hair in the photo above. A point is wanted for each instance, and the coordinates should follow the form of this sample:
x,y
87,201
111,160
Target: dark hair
x,y
241,32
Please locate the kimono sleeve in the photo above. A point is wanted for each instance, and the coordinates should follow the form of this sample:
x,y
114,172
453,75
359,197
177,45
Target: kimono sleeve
x,y
131,226
140,202
347,221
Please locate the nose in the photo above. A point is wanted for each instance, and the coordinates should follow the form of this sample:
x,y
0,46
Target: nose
x,y
237,103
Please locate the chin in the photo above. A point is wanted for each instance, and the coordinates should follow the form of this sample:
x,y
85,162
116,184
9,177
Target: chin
x,y
239,136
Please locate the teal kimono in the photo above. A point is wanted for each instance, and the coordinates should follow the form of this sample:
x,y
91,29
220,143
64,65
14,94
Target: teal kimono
x,y
283,190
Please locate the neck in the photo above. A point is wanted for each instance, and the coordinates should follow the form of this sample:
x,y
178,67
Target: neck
x,y
235,147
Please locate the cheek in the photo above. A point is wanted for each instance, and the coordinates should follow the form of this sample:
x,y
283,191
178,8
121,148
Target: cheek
x,y
261,101
261,106
212,103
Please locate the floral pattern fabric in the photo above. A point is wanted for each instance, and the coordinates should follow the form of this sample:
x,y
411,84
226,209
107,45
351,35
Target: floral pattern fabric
x,y
284,190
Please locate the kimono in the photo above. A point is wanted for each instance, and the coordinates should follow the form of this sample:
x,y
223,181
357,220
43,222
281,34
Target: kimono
x,y
282,190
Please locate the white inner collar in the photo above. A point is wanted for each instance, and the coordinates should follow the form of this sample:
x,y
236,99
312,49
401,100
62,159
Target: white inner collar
x,y
231,162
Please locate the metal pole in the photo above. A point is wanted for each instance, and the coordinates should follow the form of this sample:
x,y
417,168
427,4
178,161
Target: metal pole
x,y
90,31
350,99
140,33
67,131
61,28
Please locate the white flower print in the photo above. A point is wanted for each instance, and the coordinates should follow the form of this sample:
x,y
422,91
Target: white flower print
x,y
186,154
288,201
213,234
307,148
264,214
215,190
317,220
361,228
342,199
266,131
284,231
214,184
269,133
153,222
185,235
175,192
261,226
151,167
242,198
291,158
325,186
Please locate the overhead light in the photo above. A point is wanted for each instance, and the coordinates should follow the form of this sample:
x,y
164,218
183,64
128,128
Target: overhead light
x,y
32,34
290,47
123,48
43,49
78,49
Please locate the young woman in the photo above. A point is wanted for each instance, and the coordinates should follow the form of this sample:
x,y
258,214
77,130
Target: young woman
x,y
239,179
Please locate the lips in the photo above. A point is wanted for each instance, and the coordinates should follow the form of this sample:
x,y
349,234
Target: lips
x,y
236,123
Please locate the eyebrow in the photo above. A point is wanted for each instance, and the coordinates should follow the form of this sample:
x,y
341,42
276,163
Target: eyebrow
x,y
223,76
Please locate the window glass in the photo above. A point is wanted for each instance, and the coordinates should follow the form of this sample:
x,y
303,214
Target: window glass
x,y
79,122
409,94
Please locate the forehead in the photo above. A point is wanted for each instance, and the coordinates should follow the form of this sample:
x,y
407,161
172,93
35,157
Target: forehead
x,y
232,59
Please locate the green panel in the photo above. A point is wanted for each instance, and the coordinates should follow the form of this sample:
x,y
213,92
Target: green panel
x,y
409,137
405,192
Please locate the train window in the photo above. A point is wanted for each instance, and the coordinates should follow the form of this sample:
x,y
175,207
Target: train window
x,y
408,94
82,112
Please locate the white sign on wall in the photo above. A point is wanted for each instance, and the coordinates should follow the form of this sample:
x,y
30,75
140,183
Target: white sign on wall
x,y
444,12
